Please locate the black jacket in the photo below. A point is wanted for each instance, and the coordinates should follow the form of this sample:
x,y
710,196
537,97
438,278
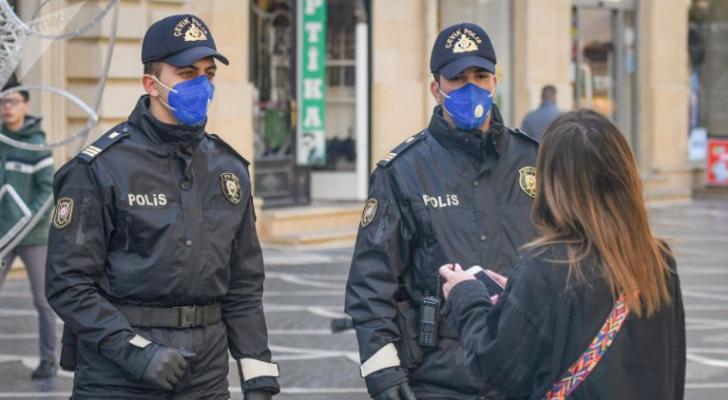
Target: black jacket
x,y
152,223
444,195
542,324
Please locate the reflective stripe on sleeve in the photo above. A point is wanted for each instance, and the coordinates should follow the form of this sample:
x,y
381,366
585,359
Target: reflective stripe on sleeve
x,y
386,357
139,342
252,368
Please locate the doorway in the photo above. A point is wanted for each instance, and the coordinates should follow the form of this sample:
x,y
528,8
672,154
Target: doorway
x,y
344,174
604,61
336,165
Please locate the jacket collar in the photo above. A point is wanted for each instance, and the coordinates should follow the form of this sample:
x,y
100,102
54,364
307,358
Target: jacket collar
x,y
159,132
473,143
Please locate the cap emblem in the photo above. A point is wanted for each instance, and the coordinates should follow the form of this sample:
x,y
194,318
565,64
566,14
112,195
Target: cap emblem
x,y
194,33
193,30
464,45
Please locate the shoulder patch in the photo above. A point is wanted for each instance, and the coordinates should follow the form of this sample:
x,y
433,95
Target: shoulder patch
x,y
232,150
524,135
404,146
63,212
370,211
104,142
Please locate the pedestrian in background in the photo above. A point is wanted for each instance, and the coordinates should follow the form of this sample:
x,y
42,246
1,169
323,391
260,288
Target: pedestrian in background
x,y
459,190
154,261
30,174
594,310
535,122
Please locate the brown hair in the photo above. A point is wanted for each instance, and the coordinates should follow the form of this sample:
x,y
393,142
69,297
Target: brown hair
x,y
589,197
153,68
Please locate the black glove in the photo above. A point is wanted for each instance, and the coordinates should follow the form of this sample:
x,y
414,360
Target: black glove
x,y
398,392
381,381
257,395
166,367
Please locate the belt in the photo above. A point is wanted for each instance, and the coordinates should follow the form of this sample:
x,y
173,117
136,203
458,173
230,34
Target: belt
x,y
172,317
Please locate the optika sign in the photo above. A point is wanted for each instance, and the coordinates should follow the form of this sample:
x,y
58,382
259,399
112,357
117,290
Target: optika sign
x,y
311,132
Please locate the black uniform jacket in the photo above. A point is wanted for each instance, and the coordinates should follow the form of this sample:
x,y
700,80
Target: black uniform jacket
x,y
442,196
160,216
543,323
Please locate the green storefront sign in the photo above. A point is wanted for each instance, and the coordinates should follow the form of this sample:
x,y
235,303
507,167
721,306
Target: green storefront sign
x,y
311,132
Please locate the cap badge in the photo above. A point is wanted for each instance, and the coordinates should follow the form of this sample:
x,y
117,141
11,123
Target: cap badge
x,y
230,187
527,180
478,112
464,45
193,30
194,33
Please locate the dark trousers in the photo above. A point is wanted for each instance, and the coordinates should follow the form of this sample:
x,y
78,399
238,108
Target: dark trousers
x,y
34,258
206,377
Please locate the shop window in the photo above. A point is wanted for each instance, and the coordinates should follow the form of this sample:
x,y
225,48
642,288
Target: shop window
x,y
272,73
495,17
604,62
341,90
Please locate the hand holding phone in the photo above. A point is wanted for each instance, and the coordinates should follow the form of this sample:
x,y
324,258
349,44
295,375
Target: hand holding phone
x,y
494,287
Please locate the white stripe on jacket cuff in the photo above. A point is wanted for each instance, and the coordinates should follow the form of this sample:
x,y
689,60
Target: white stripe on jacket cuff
x,y
139,342
252,368
386,357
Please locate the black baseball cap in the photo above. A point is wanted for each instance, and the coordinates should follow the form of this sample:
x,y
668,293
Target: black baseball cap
x,y
180,40
459,47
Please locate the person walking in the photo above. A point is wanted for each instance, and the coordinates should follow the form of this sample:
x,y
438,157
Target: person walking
x,y
30,175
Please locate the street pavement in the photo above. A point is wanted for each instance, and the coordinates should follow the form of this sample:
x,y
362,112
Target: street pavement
x,y
304,291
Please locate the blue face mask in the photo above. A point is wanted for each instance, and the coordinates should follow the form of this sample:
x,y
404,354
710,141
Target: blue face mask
x,y
468,106
189,100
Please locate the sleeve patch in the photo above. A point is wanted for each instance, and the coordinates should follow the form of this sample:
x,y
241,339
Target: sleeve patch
x,y
63,213
370,211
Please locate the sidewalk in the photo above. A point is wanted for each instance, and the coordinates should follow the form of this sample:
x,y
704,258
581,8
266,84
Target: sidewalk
x,y
304,290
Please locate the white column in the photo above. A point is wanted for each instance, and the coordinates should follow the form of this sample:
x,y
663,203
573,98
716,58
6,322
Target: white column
x,y
362,109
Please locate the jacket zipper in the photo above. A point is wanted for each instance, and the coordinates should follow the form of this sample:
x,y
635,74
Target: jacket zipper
x,y
80,233
127,220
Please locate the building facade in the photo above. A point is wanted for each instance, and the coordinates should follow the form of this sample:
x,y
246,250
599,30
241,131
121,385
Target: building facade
x,y
368,75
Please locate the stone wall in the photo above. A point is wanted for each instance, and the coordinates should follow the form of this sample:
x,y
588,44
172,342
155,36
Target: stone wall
x,y
230,113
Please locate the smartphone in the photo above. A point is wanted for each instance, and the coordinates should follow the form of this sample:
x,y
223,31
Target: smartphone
x,y
494,288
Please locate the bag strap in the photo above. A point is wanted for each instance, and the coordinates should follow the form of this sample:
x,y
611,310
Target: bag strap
x,y
584,365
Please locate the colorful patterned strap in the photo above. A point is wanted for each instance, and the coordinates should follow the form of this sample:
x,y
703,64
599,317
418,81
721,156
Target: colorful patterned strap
x,y
582,367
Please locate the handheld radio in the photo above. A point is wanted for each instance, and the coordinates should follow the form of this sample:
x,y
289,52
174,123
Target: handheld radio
x,y
428,327
427,332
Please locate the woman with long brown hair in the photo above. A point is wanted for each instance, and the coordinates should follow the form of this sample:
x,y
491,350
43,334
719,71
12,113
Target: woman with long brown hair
x,y
594,311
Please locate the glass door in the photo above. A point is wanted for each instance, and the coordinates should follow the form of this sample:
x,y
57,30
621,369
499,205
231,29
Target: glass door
x,y
604,65
344,176
278,180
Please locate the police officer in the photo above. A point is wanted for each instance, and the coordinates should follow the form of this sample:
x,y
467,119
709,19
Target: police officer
x,y
459,191
154,263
